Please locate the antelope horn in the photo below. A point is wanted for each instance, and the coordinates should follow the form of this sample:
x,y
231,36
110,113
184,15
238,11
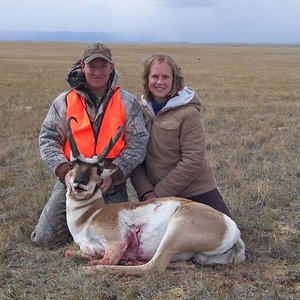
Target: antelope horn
x,y
71,139
111,144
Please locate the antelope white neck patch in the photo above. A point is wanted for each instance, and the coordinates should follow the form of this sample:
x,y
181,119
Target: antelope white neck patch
x,y
93,160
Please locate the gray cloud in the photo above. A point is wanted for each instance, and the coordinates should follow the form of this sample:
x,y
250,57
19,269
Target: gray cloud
x,y
187,3
253,21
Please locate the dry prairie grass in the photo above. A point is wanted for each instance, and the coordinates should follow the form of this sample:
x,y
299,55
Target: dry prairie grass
x,y
252,97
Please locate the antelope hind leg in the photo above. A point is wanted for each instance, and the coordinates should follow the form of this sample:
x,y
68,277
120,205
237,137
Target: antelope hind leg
x,y
182,265
78,254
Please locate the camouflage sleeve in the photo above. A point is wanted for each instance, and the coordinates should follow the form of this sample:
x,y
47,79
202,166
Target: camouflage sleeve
x,y
53,134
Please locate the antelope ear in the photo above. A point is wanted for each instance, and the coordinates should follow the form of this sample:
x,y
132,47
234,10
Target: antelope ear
x,y
108,172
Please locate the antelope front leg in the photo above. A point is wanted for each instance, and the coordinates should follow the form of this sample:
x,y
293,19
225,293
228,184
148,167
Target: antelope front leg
x,y
78,254
113,254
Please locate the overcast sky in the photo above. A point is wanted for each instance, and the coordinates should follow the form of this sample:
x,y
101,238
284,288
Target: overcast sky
x,y
250,21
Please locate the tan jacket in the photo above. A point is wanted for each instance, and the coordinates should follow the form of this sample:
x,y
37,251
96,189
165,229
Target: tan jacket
x,y
176,161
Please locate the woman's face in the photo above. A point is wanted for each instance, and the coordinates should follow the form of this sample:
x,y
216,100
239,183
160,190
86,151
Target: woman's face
x,y
160,81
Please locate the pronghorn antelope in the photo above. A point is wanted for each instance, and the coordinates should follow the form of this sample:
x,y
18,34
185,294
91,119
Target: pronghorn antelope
x,y
155,232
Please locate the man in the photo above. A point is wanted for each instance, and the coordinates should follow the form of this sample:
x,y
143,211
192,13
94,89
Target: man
x,y
99,106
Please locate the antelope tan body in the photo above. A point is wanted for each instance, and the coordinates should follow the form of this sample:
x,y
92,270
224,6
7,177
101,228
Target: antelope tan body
x,y
157,231
154,233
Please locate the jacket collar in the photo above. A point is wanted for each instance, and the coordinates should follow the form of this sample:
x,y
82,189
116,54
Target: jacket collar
x,y
184,97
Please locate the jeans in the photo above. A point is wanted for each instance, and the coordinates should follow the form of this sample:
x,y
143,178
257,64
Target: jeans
x,y
52,229
214,200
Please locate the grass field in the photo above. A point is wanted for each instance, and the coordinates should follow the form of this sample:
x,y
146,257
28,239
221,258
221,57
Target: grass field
x,y
252,120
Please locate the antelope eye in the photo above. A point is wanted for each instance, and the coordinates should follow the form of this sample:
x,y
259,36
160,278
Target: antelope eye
x,y
99,170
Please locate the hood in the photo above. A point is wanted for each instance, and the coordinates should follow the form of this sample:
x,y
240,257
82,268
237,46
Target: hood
x,y
186,96
75,78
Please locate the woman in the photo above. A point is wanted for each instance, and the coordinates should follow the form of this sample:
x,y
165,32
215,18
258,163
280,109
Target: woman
x,y
176,162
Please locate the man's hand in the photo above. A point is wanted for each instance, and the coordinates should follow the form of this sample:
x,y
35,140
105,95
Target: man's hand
x,y
105,184
67,179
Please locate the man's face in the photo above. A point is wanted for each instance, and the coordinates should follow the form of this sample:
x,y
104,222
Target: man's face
x,y
97,74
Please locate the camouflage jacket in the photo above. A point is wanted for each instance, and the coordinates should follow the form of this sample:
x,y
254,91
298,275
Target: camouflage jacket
x,y
53,132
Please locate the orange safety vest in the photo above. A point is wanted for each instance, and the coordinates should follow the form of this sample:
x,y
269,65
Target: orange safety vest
x,y
82,130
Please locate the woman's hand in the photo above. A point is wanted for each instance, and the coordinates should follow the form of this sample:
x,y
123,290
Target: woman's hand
x,y
149,195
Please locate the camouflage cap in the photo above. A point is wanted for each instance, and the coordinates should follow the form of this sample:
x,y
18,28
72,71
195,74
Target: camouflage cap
x,y
96,50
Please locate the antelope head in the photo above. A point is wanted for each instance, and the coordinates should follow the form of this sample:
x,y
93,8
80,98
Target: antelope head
x,y
86,173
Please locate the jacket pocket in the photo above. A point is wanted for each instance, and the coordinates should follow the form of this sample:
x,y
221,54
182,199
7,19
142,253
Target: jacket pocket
x,y
169,134
169,125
